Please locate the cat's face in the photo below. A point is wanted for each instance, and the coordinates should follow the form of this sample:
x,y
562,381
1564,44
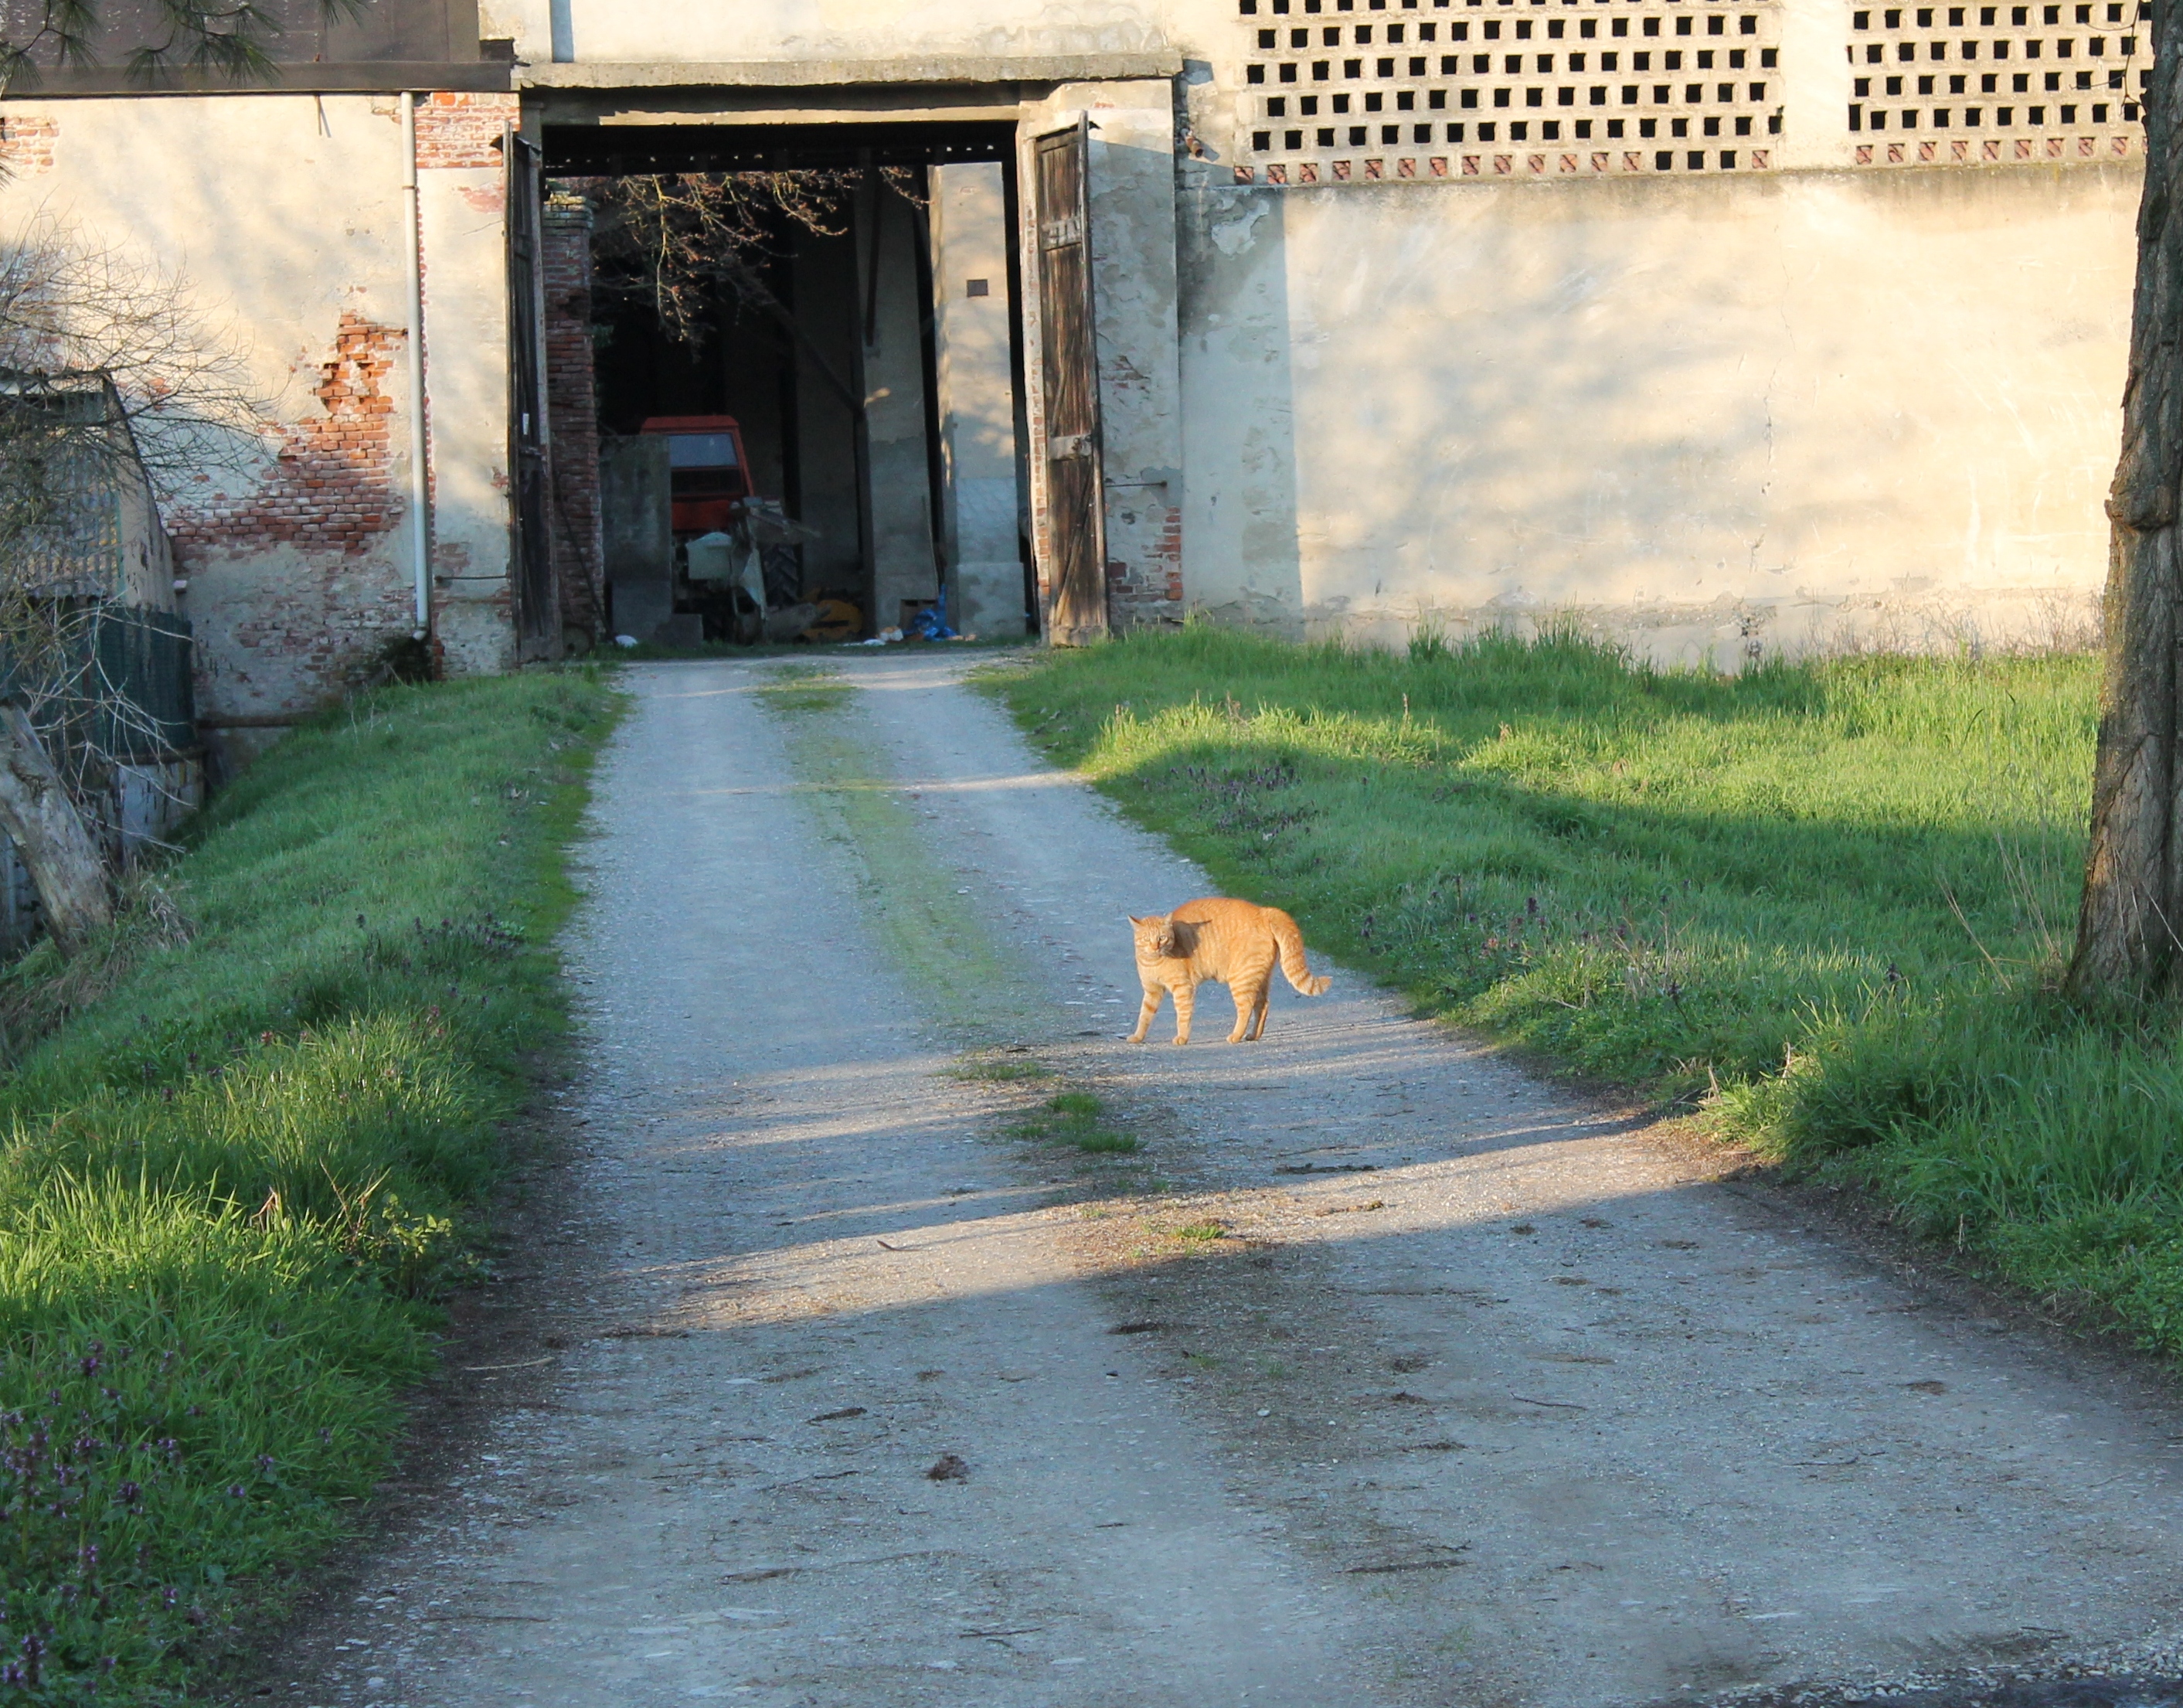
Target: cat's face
x,y
1155,938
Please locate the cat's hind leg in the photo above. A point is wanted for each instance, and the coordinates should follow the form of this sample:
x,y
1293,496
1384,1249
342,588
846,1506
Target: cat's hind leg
x,y
1186,1005
1153,993
1258,1014
1250,1006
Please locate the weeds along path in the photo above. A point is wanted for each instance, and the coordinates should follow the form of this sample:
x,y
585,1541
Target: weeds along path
x,y
1382,1374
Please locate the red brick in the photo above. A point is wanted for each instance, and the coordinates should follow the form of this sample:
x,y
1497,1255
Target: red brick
x,y
324,475
572,415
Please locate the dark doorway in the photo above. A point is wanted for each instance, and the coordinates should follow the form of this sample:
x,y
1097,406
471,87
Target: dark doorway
x,y
791,298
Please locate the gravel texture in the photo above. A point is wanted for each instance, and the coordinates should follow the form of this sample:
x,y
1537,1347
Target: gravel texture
x,y
1485,1393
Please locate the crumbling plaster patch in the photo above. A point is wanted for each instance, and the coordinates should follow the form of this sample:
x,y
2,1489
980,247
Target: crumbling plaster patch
x,y
296,574
330,487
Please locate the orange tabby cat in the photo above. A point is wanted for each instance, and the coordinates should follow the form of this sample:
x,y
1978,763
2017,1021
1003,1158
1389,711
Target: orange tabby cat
x,y
1231,943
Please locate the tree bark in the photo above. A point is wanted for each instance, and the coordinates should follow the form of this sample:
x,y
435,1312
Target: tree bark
x,y
2130,925
37,813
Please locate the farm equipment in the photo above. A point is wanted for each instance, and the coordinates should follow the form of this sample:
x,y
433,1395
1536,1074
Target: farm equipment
x,y
738,558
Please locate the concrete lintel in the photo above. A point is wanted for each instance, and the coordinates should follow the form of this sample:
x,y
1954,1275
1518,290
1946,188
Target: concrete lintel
x,y
784,73
759,111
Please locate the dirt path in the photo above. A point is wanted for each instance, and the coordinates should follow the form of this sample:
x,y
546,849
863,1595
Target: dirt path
x,y
1534,1411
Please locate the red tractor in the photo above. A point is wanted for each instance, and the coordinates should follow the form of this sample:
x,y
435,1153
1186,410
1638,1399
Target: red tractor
x,y
738,558
707,474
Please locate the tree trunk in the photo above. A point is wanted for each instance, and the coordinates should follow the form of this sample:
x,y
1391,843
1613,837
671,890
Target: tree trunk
x,y
2129,926
37,813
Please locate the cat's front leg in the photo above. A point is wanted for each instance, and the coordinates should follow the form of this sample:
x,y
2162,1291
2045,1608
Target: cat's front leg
x,y
1152,994
1186,1004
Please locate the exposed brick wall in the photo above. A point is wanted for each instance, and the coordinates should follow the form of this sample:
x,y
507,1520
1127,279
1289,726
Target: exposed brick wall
x,y
295,586
572,415
331,485
1144,588
320,634
26,142
464,131
299,577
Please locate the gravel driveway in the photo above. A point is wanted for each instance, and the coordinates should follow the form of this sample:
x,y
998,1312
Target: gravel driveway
x,y
1483,1394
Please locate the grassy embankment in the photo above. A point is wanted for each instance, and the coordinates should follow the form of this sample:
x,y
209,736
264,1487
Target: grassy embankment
x,y
1823,903
234,1178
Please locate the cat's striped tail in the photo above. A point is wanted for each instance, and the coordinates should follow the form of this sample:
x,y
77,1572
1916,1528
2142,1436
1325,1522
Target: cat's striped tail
x,y
1290,941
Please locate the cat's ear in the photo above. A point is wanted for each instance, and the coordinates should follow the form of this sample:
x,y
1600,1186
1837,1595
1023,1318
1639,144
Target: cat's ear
x,y
1134,920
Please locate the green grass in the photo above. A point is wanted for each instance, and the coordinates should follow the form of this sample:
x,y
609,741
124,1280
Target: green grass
x,y
1076,1119
1824,902
990,1068
801,688
935,932
248,1154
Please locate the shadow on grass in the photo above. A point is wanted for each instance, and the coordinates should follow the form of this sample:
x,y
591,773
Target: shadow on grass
x,y
1822,902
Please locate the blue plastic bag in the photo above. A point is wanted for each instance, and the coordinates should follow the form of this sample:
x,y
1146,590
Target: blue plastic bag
x,y
931,624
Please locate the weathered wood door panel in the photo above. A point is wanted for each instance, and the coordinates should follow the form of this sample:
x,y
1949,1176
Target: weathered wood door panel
x,y
537,597
1075,508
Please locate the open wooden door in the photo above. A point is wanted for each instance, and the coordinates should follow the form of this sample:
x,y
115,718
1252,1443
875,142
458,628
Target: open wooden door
x,y
537,595
1075,508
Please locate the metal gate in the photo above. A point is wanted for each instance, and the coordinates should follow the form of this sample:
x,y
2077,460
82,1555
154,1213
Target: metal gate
x,y
1075,508
537,598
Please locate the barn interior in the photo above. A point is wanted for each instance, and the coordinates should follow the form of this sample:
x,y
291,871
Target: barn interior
x,y
817,433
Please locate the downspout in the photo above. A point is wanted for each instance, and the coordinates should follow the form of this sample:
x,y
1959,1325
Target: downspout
x,y
420,483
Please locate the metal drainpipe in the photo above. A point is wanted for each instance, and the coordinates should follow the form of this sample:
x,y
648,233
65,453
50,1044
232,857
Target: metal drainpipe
x,y
420,485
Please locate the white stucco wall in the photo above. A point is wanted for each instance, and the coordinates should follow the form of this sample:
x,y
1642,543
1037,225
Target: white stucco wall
x,y
462,193
1794,411
1720,416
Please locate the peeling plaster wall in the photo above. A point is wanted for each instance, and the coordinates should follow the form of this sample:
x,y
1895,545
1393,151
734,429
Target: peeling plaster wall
x,y
1719,419
283,215
463,188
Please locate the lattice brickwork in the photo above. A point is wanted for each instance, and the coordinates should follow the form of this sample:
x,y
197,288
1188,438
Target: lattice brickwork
x,y
1989,85
1337,90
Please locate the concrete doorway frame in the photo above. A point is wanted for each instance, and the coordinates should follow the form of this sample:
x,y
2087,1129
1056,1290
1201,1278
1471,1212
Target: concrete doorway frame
x,y
653,117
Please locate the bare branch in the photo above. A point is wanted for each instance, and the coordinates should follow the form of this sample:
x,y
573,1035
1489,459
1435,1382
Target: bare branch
x,y
688,242
110,384
71,308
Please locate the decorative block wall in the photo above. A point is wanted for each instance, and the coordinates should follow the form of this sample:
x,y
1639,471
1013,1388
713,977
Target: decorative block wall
x,y
1335,92
1986,84
1339,91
